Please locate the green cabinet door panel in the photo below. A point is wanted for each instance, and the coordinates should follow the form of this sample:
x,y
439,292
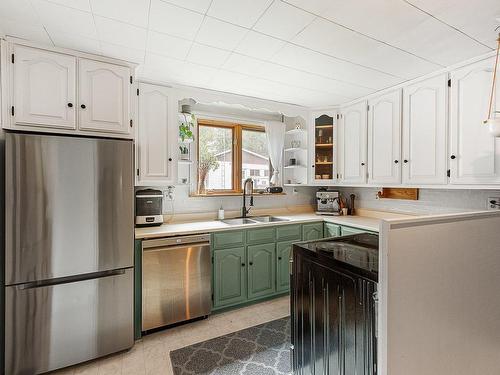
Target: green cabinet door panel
x,y
332,230
233,238
288,232
312,231
261,270
137,289
229,276
346,231
283,250
261,235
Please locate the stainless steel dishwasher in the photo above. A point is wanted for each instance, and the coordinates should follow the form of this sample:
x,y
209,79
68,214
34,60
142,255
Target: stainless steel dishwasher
x,y
176,275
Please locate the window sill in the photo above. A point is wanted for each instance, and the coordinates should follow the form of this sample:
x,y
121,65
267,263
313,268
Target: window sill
x,y
221,194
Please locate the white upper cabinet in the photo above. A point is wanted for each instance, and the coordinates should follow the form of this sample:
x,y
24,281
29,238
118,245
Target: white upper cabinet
x,y
323,147
43,88
104,97
353,144
156,119
474,154
384,139
424,131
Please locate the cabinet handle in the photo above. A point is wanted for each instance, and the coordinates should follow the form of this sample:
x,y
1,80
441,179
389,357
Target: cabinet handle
x,y
396,161
250,263
83,106
453,157
405,161
242,264
279,258
70,105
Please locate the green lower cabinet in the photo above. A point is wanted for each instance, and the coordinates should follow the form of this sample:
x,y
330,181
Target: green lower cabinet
x,y
283,250
346,231
261,270
332,230
229,276
313,231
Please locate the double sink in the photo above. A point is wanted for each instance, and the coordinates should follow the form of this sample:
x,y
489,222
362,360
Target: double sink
x,y
254,220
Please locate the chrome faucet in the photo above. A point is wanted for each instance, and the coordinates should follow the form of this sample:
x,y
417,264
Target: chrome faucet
x,y
244,210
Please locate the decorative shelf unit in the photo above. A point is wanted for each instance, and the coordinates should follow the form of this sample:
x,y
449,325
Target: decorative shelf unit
x,y
324,162
295,152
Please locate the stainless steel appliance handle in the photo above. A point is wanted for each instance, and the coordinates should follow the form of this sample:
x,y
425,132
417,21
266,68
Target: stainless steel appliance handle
x,y
173,241
169,248
70,279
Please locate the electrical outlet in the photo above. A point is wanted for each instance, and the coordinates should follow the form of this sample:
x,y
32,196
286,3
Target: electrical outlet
x,y
493,203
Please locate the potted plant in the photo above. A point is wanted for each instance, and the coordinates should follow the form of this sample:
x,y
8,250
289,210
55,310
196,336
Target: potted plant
x,y
184,152
186,125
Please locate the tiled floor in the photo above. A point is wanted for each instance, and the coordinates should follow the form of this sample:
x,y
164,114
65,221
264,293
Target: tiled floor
x,y
150,356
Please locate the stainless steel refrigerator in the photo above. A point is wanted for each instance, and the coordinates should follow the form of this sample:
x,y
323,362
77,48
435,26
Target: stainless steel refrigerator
x,y
69,232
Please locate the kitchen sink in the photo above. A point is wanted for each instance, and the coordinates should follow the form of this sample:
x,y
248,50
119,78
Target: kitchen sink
x,y
239,221
269,219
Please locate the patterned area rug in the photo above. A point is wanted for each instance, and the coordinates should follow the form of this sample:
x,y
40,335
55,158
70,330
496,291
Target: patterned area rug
x,y
259,350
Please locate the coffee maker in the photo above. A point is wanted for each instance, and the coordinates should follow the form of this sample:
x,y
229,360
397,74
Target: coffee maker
x,y
328,202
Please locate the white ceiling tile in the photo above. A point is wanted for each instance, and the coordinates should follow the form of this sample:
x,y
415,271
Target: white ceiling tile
x,y
155,62
200,6
18,10
220,34
63,19
167,45
240,12
129,11
122,53
21,30
224,80
283,21
259,45
205,55
77,4
173,20
122,34
449,48
243,64
75,42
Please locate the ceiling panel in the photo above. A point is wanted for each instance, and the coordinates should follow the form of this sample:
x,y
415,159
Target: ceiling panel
x,y
77,4
129,11
220,34
24,31
62,19
168,45
18,10
200,6
79,43
209,56
240,12
243,64
122,53
173,20
120,33
283,21
259,45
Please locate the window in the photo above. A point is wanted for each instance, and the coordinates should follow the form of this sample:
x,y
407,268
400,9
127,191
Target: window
x,y
225,162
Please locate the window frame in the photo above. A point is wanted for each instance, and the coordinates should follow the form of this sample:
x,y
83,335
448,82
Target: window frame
x,y
237,151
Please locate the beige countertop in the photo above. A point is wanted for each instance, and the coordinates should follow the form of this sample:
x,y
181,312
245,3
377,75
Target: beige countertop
x,y
208,226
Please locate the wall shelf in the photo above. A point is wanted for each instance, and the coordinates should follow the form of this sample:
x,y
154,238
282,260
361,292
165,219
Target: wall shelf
x,y
324,145
294,166
295,131
294,149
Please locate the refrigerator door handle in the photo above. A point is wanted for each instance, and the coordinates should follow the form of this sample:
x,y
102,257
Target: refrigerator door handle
x,y
70,279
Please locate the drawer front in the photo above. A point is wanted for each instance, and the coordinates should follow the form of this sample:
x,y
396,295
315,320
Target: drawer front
x,y
234,238
288,233
261,235
346,231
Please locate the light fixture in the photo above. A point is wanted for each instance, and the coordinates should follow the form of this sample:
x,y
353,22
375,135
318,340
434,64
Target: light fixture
x,y
493,119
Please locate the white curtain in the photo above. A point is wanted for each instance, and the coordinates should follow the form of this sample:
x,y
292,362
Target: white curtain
x,y
275,134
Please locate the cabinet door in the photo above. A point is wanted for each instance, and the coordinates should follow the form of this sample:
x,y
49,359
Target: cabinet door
x,y
229,276
104,97
475,154
313,231
44,88
384,139
424,131
353,144
261,270
324,148
155,118
332,230
283,250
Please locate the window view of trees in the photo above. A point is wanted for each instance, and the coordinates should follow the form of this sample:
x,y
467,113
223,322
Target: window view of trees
x,y
255,158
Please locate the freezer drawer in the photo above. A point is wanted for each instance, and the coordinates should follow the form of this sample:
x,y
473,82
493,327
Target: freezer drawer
x,y
69,206
176,281
49,327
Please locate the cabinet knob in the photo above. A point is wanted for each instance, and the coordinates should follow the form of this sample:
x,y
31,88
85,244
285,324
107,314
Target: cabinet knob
x,y
70,105
405,161
250,263
453,157
362,164
83,106
279,258
312,166
169,159
242,264
396,161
